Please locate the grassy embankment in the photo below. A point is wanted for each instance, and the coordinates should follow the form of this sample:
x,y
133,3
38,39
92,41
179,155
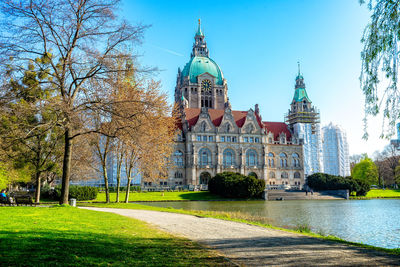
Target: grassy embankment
x,y
380,193
65,236
243,218
160,196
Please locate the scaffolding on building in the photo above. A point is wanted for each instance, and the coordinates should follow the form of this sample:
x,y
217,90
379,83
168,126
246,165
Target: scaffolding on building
x,y
311,117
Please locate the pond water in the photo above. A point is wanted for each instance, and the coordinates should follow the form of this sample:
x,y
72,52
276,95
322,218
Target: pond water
x,y
374,222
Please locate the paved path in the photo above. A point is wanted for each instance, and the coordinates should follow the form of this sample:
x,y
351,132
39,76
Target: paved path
x,y
251,245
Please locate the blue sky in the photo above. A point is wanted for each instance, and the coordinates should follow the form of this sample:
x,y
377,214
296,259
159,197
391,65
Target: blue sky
x,y
257,45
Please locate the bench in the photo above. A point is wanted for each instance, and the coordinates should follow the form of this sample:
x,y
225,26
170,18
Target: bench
x,y
24,200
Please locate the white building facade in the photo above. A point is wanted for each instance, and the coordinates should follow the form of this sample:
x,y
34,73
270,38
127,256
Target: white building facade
x,y
335,151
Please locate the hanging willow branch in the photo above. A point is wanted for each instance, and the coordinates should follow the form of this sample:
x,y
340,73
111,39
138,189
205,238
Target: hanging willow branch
x,y
380,58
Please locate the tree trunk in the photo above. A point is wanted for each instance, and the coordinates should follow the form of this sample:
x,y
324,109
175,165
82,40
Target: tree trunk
x,y
118,185
38,185
106,181
66,167
118,178
128,188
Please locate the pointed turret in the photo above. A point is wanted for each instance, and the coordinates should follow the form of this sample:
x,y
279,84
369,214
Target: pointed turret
x,y
301,110
199,32
300,93
299,79
200,45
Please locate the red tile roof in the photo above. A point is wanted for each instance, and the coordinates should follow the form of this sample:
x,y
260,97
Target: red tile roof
x,y
277,128
216,115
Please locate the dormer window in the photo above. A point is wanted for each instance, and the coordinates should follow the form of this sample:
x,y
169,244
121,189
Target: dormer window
x,y
283,140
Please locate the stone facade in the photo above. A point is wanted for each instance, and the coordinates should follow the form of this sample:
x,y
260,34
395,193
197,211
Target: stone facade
x,y
213,138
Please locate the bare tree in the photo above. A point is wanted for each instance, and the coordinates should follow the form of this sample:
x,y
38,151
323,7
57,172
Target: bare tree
x,y
119,153
78,39
103,147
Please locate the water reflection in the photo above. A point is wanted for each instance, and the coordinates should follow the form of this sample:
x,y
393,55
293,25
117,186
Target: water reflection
x,y
374,222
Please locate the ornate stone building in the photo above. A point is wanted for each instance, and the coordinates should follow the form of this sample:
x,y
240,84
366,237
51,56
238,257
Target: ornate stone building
x,y
304,123
214,138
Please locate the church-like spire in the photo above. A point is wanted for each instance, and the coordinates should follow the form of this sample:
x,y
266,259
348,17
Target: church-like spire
x,y
299,78
200,46
199,32
300,92
298,65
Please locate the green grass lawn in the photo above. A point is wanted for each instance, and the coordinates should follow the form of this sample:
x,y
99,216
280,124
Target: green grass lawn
x,y
65,236
380,193
160,196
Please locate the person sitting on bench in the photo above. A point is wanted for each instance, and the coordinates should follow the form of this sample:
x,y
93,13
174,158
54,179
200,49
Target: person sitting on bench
x,y
4,198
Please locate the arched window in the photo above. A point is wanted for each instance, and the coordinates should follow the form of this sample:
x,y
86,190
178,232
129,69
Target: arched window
x,y
271,175
284,175
295,160
203,126
229,157
204,157
178,175
178,158
251,158
284,163
283,157
204,178
270,140
296,175
271,161
249,128
227,127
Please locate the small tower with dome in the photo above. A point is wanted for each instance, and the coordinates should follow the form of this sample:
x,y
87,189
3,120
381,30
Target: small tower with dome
x,y
201,82
304,123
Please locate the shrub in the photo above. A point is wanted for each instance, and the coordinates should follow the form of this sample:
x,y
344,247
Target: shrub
x,y
83,192
75,191
364,187
323,181
47,193
230,184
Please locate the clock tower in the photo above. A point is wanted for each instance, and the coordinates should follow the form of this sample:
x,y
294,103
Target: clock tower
x,y
201,82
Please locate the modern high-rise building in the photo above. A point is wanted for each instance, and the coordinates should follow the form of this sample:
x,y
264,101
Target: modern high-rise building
x,y
303,121
335,151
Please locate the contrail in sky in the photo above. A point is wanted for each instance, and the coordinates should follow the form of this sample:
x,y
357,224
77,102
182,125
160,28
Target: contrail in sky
x,y
167,50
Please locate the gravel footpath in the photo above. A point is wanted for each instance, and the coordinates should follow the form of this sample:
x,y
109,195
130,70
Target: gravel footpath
x,y
251,245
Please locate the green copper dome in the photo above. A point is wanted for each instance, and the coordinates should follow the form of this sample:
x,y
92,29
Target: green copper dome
x,y
199,65
300,94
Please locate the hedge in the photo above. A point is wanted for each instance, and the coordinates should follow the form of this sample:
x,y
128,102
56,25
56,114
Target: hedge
x,y
324,181
236,185
75,191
